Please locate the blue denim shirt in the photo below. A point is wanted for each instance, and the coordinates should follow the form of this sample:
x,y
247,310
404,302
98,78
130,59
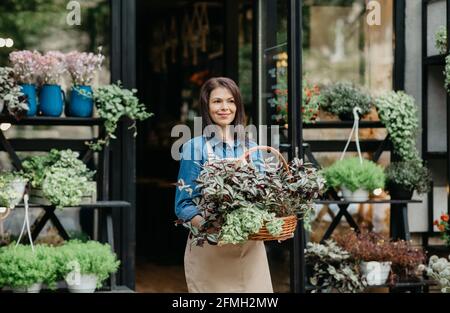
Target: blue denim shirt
x,y
194,154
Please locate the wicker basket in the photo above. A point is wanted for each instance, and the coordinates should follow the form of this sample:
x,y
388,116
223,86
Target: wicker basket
x,y
290,222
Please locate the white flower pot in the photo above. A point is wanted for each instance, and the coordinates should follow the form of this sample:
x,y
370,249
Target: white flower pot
x,y
376,273
35,288
357,195
19,186
87,283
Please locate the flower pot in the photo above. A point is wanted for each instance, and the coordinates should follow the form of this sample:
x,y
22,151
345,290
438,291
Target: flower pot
x,y
19,186
357,195
37,196
399,192
376,273
51,100
81,102
87,283
29,90
35,288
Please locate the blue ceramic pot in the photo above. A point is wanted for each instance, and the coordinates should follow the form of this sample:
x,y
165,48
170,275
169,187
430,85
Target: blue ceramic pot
x,y
29,90
81,101
51,100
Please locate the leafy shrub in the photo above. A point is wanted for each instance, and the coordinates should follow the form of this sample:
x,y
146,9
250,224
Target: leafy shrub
x,y
398,112
441,39
439,269
63,178
340,99
351,173
21,267
11,95
9,196
333,268
410,174
92,257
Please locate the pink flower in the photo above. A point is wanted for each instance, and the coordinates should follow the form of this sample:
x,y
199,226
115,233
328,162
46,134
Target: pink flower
x,y
25,65
82,66
51,66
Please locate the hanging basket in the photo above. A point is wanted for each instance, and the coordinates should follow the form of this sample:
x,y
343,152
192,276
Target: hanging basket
x,y
290,222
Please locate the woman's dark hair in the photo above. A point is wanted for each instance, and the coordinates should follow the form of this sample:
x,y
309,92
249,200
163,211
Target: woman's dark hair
x,y
205,93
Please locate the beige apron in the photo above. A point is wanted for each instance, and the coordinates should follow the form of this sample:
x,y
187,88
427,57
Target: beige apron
x,y
227,268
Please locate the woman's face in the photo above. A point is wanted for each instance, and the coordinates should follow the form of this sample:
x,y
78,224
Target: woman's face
x,y
222,107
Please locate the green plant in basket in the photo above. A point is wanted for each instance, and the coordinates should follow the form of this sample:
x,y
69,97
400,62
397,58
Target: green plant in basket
x,y
398,112
114,102
340,99
63,178
441,39
237,198
353,174
20,267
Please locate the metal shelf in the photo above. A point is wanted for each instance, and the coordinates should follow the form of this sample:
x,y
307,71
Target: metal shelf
x,y
95,205
344,202
52,121
343,124
434,60
436,155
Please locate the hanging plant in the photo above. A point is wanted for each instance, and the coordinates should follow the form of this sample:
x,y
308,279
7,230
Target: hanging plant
x,y
447,73
114,102
398,112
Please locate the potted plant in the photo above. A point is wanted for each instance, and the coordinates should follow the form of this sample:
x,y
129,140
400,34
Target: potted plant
x,y
25,270
82,67
85,265
25,68
403,177
355,177
339,99
59,178
237,200
113,103
12,188
11,95
333,268
439,270
372,252
51,66
444,227
398,112
406,261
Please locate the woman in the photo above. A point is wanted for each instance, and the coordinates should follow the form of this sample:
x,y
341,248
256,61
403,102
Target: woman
x,y
212,268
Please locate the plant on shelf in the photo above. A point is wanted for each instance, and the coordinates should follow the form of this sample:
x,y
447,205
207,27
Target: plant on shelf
x,y
398,112
11,95
237,199
25,66
333,268
339,99
372,252
354,177
444,227
403,177
82,67
51,66
113,103
12,188
441,39
85,265
439,270
24,270
399,257
447,73
59,178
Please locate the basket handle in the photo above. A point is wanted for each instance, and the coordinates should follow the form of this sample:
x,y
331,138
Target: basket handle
x,y
266,148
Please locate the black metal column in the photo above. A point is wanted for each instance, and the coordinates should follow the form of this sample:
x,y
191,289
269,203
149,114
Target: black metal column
x,y
123,149
295,130
231,51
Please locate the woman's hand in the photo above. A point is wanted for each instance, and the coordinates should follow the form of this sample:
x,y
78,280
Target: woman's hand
x,y
197,221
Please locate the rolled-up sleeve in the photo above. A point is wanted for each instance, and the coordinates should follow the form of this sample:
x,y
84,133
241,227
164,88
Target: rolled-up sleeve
x,y
190,167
